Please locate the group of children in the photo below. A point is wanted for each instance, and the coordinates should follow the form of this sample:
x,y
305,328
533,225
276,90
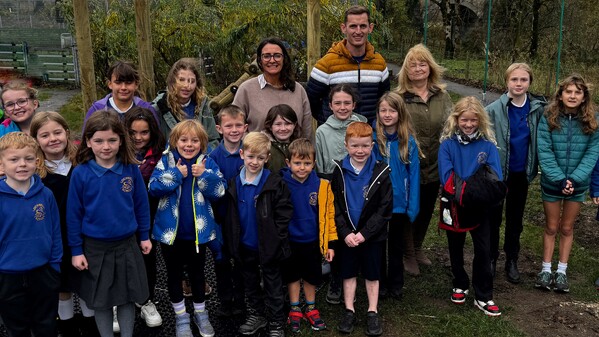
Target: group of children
x,y
192,193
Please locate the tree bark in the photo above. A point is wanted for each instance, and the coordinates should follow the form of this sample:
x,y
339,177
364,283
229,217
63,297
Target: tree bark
x,y
144,49
85,54
534,39
313,30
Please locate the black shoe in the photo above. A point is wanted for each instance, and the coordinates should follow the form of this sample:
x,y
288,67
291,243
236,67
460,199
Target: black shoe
x,y
493,268
346,325
373,324
89,327
68,328
511,271
252,324
276,329
396,294
225,310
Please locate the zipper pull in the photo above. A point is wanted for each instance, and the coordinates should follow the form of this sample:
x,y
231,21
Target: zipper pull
x,y
197,249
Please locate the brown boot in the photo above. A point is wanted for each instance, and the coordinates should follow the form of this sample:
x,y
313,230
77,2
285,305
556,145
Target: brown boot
x,y
421,258
410,265
409,258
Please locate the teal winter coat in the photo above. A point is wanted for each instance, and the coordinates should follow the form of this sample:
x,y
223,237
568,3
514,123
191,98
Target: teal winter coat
x,y
498,114
566,153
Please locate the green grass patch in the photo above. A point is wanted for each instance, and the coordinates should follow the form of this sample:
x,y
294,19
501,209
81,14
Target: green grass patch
x,y
43,95
74,113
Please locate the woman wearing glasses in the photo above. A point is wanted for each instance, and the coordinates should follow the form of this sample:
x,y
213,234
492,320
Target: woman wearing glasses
x,y
276,85
19,102
185,98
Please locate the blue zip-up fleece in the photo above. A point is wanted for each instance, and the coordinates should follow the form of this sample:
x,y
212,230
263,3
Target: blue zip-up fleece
x,y
304,225
465,159
405,177
106,204
166,184
566,153
30,228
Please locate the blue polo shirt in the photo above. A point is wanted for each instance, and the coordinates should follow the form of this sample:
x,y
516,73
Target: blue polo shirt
x,y
247,196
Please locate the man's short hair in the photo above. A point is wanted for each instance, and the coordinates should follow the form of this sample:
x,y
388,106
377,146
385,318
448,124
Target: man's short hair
x,y
301,148
356,10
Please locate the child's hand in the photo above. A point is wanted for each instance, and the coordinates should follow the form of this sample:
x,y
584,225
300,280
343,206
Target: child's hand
x,y
596,200
350,240
198,169
79,262
360,238
569,188
182,168
329,255
146,246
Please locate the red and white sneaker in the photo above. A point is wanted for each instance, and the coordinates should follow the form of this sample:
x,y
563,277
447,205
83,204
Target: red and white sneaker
x,y
489,307
458,295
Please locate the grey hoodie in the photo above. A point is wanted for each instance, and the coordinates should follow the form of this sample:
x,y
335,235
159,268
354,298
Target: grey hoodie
x,y
330,142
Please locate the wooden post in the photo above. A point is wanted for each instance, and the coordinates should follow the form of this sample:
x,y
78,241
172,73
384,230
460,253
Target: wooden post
x,y
313,30
85,54
144,49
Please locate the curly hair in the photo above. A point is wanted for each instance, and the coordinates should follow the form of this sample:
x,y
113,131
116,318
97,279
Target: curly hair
x,y
473,105
586,111
172,90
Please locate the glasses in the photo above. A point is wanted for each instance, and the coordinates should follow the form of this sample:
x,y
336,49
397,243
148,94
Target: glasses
x,y
11,106
276,56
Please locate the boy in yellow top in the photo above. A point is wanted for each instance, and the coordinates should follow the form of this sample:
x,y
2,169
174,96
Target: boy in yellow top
x,y
312,232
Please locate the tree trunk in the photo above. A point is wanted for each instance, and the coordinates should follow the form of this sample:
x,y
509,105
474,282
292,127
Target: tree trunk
x,y
144,49
534,39
313,30
86,56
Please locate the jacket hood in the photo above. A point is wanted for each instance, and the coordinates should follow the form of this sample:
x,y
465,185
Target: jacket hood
x,y
336,124
34,189
340,49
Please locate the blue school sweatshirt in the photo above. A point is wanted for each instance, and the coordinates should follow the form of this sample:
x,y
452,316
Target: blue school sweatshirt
x,y
29,229
519,136
303,227
356,186
465,159
247,194
106,204
230,164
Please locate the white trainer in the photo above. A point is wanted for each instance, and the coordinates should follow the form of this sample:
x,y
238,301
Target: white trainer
x,y
151,315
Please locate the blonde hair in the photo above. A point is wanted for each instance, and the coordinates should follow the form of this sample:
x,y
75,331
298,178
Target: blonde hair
x,y
20,140
521,66
419,53
232,111
19,85
404,127
189,126
469,104
256,142
39,120
190,64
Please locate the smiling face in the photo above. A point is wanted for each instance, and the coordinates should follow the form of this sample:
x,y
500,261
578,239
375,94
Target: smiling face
x,y
232,128
140,134
189,145
388,117
282,129
300,167
122,91
468,122
359,149
273,66
342,104
105,146
186,85
18,106
356,31
572,97
18,165
53,140
518,83
253,161
418,70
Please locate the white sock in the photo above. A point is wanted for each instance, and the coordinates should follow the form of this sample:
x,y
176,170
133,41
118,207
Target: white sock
x,y
85,310
199,307
65,309
561,267
179,307
546,267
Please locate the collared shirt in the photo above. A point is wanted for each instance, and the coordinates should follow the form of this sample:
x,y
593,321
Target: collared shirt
x,y
256,180
262,81
60,166
99,170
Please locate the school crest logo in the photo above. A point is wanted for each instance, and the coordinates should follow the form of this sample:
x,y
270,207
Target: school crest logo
x,y
39,212
482,157
127,184
365,191
313,198
255,201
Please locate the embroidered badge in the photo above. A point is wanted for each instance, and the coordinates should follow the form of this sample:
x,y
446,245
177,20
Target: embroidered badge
x,y
313,198
39,212
482,157
127,184
365,191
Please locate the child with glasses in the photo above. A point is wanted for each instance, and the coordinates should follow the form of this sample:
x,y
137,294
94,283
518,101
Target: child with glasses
x,y
19,102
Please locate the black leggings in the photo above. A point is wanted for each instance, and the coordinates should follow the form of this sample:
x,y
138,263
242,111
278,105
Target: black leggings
x,y
183,253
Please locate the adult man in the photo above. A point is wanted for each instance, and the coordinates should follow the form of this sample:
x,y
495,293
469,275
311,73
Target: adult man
x,y
352,60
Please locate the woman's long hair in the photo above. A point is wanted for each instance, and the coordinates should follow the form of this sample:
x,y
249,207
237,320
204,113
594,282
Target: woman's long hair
x,y
287,75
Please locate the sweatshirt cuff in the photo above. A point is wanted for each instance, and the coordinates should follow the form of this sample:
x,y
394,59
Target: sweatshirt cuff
x,y
143,236
77,250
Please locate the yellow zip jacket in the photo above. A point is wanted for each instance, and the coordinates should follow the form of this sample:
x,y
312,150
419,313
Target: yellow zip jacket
x,y
326,216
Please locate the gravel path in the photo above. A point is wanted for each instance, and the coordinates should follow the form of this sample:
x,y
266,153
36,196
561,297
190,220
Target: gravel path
x,y
57,98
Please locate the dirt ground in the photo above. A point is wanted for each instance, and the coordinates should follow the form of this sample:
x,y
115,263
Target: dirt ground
x,y
540,313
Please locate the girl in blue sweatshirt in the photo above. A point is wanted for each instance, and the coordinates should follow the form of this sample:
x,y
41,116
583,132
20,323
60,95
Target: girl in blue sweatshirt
x,y
52,133
107,206
397,146
187,182
467,143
